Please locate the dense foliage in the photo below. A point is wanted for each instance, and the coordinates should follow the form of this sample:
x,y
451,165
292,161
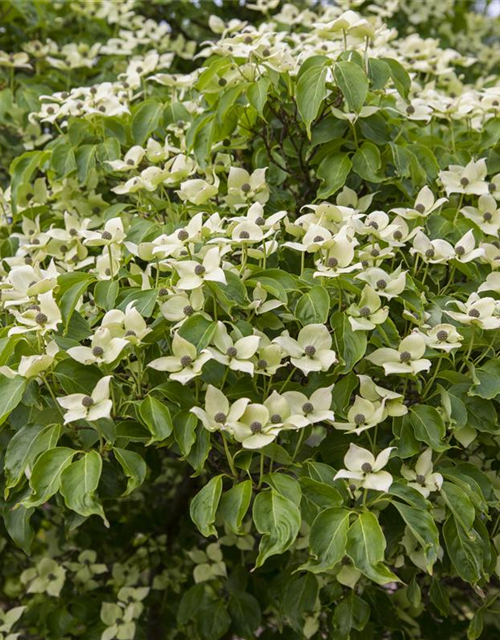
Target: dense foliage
x,y
249,374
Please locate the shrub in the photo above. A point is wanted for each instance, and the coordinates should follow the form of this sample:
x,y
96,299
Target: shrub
x,y
249,377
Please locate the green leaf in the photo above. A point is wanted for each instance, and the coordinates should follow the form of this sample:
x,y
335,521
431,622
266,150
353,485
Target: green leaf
x,y
351,345
311,91
11,393
333,171
399,76
351,613
22,169
353,83
72,287
245,614
85,161
105,294
144,301
466,554
300,598
327,540
378,72
366,546
145,120
278,520
23,449
204,506
366,162
459,504
476,626
46,475
234,505
79,483
487,380
428,426
198,330
424,529
17,523
313,307
257,94
185,430
133,467
75,377
156,416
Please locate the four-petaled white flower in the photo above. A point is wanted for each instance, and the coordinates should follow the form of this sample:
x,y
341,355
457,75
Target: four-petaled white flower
x,y
91,408
422,477
407,358
364,470
312,349
185,363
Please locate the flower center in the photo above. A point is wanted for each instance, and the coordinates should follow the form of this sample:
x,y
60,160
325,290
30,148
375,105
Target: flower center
x,y
41,318
474,313
460,251
487,216
188,310
97,352
105,235
308,407
232,352
359,418
244,235
364,312
310,351
464,181
262,364
246,187
381,284
366,467
332,262
420,207
220,417
442,335
256,427
199,270
183,235
276,418
87,401
430,253
420,479
186,361
405,356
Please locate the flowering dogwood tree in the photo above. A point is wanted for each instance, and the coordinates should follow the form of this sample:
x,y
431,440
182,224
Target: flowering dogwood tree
x,y
250,320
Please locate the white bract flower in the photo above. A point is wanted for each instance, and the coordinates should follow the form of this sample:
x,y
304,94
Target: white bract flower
x,y
465,250
364,470
218,413
42,317
407,358
91,408
312,349
235,354
422,477
255,429
443,337
104,348
391,400
362,415
386,285
486,215
433,251
243,187
193,274
185,363
366,315
425,204
476,311
305,411
467,180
